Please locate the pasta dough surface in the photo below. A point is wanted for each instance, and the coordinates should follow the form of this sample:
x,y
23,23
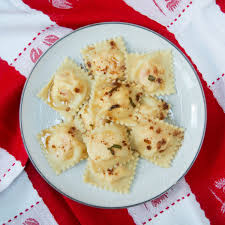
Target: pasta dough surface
x,y
89,119
114,101
63,146
67,90
152,108
108,145
152,72
157,141
106,58
117,179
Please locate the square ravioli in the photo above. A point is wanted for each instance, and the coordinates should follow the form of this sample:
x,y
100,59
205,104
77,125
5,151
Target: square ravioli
x,y
152,108
106,58
112,112
152,72
108,145
157,141
115,101
67,90
117,179
63,146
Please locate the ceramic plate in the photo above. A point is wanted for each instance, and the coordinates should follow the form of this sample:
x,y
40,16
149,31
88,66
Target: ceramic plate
x,y
188,111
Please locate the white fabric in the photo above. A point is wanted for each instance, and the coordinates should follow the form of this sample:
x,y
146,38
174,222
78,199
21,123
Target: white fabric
x,y
218,90
18,25
21,201
177,206
26,61
10,168
199,27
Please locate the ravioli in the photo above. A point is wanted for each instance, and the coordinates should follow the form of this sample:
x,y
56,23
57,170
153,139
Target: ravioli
x,y
114,101
106,58
152,108
63,146
108,145
116,179
157,141
67,90
152,72
112,114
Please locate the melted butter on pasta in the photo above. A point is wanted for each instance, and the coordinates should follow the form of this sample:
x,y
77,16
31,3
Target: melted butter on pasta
x,y
152,108
152,72
106,58
114,101
110,175
89,119
67,90
63,146
157,141
108,145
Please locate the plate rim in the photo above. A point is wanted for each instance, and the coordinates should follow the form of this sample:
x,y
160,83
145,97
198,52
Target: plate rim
x,y
21,106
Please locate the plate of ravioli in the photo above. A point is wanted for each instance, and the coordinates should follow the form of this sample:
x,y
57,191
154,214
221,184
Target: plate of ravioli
x,y
113,115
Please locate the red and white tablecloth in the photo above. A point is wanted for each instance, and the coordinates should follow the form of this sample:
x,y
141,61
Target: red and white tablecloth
x,y
28,28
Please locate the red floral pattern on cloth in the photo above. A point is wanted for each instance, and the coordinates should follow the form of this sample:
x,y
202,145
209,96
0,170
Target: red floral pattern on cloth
x,y
61,4
158,200
30,221
25,48
35,53
170,5
50,39
219,195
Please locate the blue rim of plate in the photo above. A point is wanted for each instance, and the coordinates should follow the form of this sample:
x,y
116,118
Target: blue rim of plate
x,y
21,112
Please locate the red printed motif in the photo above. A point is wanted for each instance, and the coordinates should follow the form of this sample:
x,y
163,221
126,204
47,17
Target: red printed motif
x,y
35,54
172,4
167,208
50,39
156,4
61,4
159,200
220,191
30,221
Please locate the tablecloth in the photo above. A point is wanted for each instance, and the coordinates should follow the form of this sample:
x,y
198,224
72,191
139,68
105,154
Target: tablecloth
x,y
29,28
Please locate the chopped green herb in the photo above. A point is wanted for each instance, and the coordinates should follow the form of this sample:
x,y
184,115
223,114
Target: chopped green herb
x,y
151,78
131,102
114,146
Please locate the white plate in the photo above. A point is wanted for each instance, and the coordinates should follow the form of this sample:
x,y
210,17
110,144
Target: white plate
x,y
188,106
